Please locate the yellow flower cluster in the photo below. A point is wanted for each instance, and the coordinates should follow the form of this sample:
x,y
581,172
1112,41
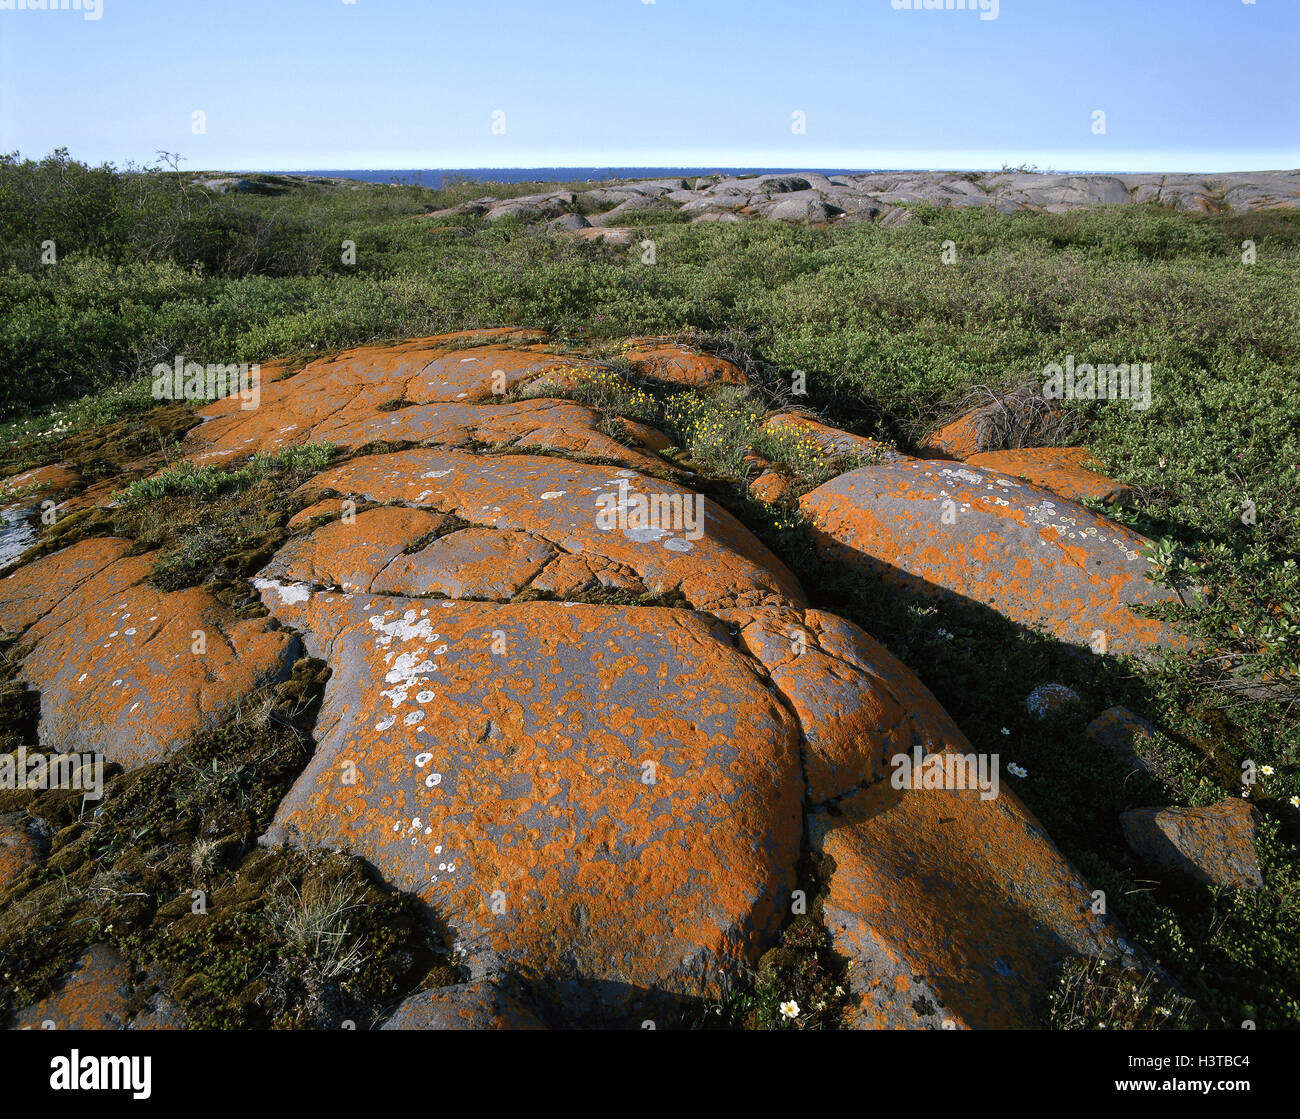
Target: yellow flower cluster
x,y
714,427
601,388
798,449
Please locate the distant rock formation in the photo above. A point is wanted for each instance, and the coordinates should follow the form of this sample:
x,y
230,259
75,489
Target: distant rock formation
x,y
878,197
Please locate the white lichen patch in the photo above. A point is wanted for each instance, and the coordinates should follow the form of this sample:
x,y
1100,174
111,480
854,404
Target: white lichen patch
x,y
290,593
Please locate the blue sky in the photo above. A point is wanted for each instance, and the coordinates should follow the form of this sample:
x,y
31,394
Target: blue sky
x,y
1205,85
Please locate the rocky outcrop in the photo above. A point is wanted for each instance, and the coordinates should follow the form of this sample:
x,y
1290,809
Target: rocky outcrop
x,y
811,198
125,670
578,709
1035,558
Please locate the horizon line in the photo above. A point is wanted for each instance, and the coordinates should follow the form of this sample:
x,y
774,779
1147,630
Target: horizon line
x,y
720,168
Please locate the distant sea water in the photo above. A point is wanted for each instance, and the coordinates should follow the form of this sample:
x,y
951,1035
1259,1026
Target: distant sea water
x,y
437,177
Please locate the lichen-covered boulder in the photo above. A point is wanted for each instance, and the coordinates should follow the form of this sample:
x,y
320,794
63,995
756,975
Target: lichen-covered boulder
x,y
1018,418
126,670
573,706
952,908
33,486
1048,700
101,993
1063,470
770,486
606,799
1214,844
561,781
479,1005
941,528
857,705
350,552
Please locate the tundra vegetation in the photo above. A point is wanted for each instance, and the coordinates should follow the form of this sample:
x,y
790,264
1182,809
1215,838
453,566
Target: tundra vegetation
x,y
891,340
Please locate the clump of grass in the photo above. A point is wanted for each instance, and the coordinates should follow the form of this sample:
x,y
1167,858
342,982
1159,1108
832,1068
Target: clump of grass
x,y
1092,995
316,923
1016,416
204,482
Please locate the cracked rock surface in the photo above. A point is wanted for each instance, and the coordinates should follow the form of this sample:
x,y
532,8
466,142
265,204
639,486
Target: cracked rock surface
x,y
596,751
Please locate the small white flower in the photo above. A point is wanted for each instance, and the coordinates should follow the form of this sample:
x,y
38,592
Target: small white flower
x,y
1005,731
1016,770
1294,802
790,1009
1266,770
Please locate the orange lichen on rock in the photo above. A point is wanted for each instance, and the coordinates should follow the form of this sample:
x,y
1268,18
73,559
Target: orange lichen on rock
x,y
418,393
1016,416
1213,844
33,486
1035,558
963,437
953,908
478,1005
607,798
94,996
1063,470
123,669
694,547
674,364
327,507
472,563
349,552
